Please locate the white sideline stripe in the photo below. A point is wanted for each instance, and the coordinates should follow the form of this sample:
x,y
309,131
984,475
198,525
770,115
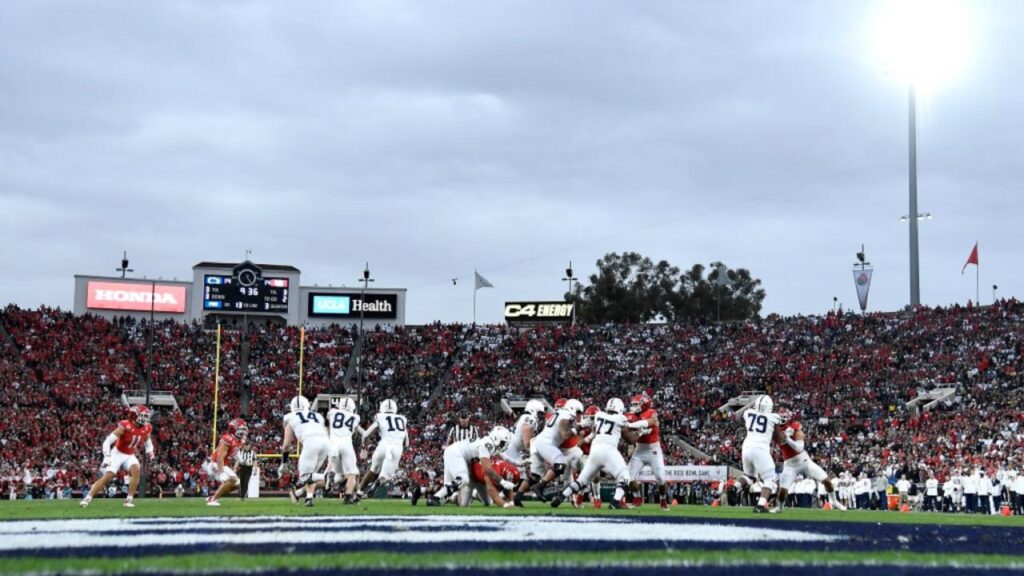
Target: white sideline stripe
x,y
100,533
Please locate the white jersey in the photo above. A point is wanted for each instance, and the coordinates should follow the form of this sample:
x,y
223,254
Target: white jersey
x,y
760,428
472,450
551,433
517,445
391,427
306,425
608,430
341,424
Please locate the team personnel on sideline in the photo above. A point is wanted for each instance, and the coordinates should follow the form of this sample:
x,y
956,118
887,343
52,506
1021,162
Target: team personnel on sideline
x,y
604,453
393,439
119,453
217,466
305,426
459,457
648,448
342,422
758,465
790,438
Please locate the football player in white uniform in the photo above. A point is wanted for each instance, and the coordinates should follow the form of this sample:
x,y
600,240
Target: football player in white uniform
x,y
758,464
342,422
547,457
523,433
459,456
305,426
393,439
604,452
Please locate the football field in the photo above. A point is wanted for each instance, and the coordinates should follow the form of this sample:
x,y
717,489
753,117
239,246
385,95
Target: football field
x,y
390,537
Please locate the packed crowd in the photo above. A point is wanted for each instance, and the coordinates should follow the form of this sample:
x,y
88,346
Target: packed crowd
x,y
847,377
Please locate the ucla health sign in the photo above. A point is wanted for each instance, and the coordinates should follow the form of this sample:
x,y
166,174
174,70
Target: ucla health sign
x,y
348,305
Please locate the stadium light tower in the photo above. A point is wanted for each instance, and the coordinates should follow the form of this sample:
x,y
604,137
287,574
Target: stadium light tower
x,y
362,336
923,42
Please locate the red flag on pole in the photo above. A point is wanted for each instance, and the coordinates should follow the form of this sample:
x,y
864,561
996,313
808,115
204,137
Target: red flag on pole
x,y
972,259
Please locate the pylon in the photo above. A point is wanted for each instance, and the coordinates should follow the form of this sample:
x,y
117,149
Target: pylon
x,y
905,508
827,506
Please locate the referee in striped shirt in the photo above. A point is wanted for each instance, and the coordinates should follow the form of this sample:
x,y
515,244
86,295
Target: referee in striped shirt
x,y
246,458
463,430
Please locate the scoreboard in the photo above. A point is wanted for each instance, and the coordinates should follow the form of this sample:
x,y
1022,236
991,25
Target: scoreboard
x,y
246,290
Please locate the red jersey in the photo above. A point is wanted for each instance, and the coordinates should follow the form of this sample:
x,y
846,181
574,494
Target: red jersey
x,y
654,435
504,469
787,450
570,442
584,444
134,436
232,444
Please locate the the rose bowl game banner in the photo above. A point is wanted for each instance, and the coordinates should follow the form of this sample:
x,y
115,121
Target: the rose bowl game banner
x,y
687,474
136,296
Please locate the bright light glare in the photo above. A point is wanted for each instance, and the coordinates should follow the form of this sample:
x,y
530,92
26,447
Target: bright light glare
x,y
923,41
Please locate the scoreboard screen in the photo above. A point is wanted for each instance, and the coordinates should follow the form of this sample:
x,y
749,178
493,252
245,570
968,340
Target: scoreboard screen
x,y
245,294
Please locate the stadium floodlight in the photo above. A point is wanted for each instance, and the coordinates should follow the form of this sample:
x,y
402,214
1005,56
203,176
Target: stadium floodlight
x,y
925,43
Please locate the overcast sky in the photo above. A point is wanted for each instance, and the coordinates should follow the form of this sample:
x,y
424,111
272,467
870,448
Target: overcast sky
x,y
429,138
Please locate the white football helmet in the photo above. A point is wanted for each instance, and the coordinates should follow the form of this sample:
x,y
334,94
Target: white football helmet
x,y
345,403
574,406
764,404
615,406
500,437
388,406
298,404
534,408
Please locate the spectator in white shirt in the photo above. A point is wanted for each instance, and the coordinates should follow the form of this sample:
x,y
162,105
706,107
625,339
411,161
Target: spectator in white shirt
x,y
971,492
985,490
862,491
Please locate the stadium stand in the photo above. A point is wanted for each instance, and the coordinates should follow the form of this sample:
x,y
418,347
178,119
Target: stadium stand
x,y
848,377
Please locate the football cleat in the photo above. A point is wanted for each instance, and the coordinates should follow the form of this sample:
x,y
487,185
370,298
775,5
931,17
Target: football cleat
x,y
556,501
597,503
616,505
417,492
211,502
433,501
760,510
309,502
328,481
664,506
517,499
637,501
85,502
129,504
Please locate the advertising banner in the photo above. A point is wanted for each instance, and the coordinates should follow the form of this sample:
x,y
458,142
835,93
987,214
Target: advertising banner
x,y
687,474
136,296
373,307
539,312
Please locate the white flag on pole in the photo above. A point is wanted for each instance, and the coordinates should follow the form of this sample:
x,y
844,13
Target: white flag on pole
x,y
482,282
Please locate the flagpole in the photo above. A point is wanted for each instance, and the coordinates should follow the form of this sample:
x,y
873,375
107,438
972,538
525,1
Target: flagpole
x,y
977,278
474,296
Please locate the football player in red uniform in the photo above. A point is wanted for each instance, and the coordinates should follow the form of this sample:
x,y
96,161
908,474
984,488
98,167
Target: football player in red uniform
x,y
648,446
218,467
586,429
484,485
119,453
790,439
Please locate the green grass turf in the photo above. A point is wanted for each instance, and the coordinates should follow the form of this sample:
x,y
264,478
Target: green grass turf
x,y
195,507
172,507
526,559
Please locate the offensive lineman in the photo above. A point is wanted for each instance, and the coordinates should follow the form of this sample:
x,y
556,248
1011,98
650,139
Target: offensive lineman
x,y
119,453
523,433
548,452
790,438
306,426
217,466
393,440
604,453
459,456
342,422
758,464
648,446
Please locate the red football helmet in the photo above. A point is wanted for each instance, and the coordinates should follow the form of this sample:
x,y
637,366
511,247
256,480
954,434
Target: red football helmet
x,y
560,403
640,403
591,410
139,414
238,429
